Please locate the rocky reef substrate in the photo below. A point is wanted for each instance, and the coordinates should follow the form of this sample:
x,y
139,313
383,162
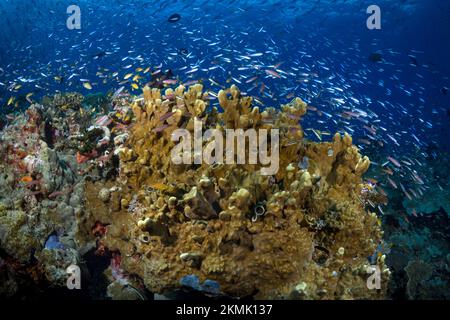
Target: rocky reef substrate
x,y
98,189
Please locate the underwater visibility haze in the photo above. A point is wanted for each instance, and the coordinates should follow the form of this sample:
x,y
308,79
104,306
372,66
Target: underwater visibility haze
x,y
120,177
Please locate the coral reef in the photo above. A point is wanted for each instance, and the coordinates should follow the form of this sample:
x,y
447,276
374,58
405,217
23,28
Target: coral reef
x,y
78,184
42,189
303,233
416,231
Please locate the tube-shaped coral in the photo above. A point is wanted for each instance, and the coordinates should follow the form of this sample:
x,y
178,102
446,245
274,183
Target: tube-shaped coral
x,y
311,236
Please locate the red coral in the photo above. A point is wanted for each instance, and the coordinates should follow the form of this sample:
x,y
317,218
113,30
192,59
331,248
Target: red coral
x,y
82,158
99,229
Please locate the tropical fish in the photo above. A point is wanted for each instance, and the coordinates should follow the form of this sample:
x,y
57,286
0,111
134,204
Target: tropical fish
x,y
273,73
174,18
166,116
159,186
160,128
170,81
392,183
394,161
87,85
26,179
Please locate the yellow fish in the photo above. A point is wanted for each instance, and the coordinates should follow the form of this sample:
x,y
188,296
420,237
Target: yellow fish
x,y
135,86
159,186
17,87
139,69
87,85
11,101
127,76
28,97
136,78
146,70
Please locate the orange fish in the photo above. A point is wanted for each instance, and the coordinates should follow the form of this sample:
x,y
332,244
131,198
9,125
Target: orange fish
x,y
159,186
26,179
273,73
82,158
263,86
278,64
382,191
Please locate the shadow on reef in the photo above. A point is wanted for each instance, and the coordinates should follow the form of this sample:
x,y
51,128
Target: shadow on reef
x,y
25,281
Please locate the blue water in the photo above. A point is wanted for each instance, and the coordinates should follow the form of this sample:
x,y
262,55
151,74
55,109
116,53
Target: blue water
x,y
326,38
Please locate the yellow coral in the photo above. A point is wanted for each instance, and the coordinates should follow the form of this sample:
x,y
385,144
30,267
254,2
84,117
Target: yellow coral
x,y
311,234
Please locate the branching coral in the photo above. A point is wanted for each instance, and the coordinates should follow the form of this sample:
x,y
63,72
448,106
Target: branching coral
x,y
302,233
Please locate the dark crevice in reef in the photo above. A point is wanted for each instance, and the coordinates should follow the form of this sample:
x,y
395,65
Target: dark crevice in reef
x,y
33,287
96,279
